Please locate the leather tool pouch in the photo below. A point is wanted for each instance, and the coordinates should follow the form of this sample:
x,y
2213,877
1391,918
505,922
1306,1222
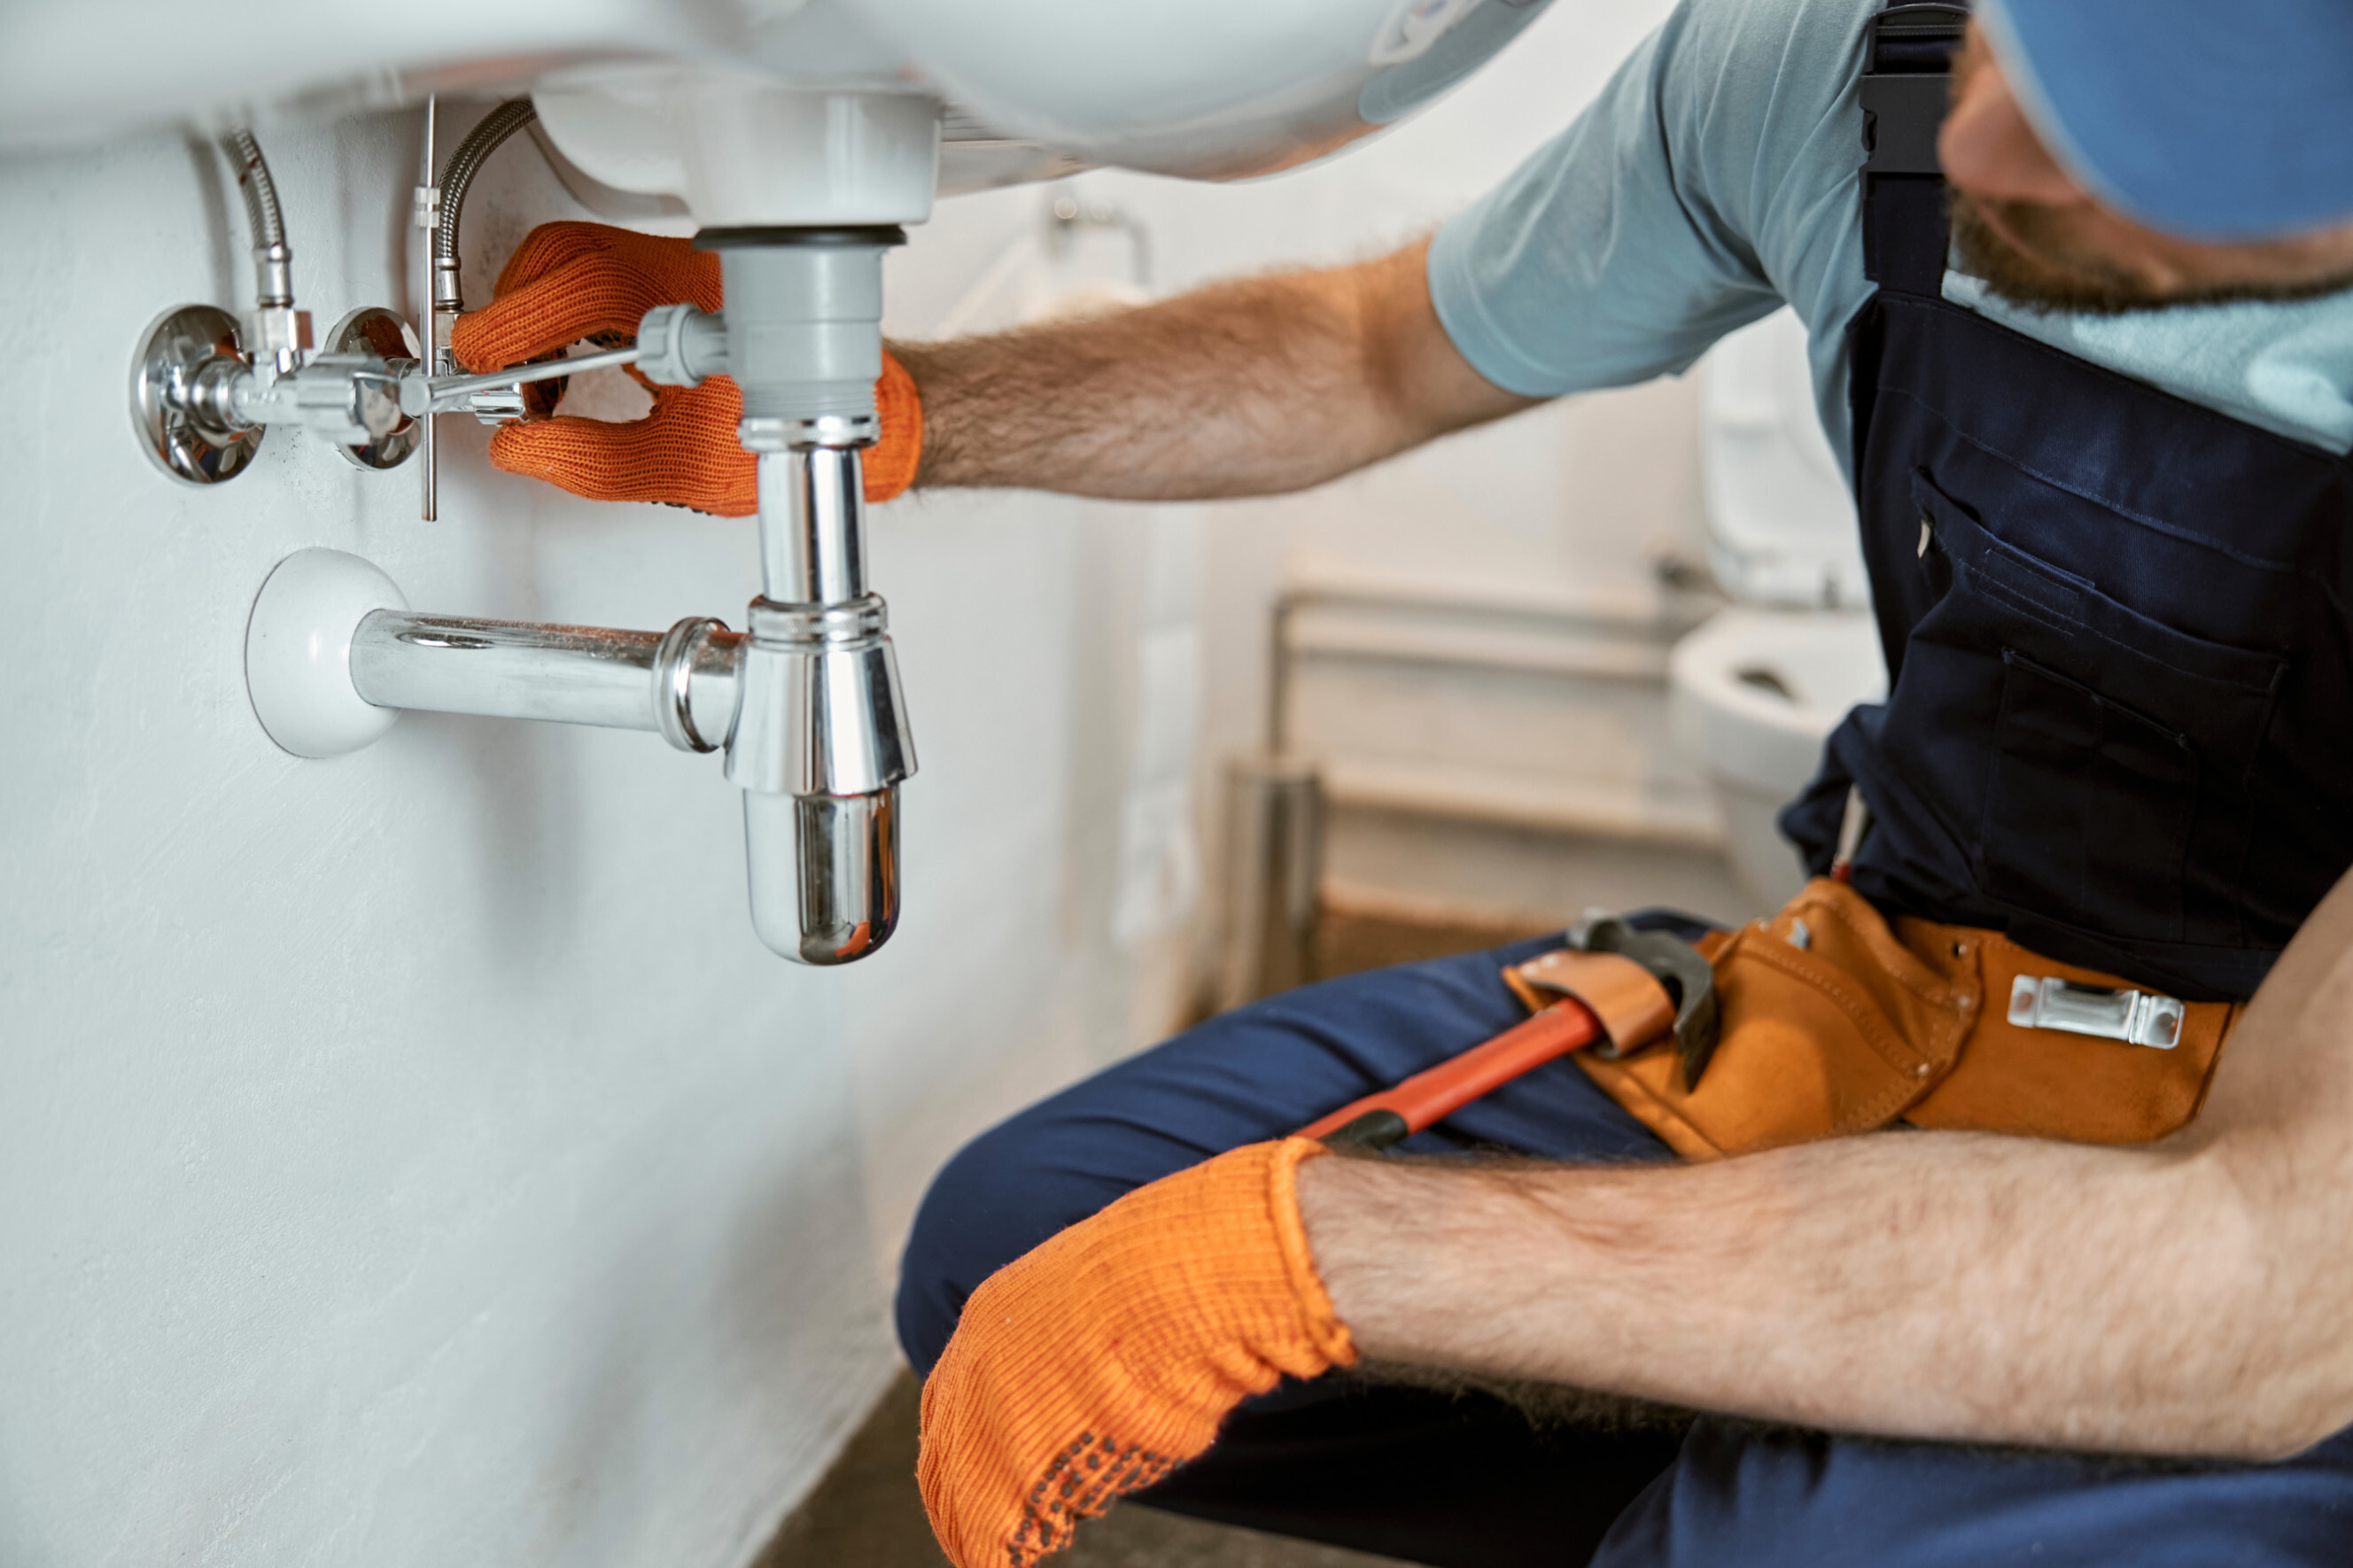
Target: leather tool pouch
x,y
1834,1022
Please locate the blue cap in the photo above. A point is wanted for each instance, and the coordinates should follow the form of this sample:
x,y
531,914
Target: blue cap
x,y
2213,119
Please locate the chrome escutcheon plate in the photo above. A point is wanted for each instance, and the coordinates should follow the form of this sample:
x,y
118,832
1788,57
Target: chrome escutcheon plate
x,y
373,330
175,345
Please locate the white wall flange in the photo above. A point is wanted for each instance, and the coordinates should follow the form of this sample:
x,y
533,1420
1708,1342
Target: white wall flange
x,y
298,652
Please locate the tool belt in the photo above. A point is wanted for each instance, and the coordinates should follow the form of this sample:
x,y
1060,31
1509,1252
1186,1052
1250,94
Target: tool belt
x,y
1833,1021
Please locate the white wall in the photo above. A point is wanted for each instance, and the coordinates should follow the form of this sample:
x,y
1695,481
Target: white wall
x,y
412,1158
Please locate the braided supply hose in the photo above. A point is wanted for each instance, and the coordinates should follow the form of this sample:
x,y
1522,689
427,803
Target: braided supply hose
x,y
457,176
273,263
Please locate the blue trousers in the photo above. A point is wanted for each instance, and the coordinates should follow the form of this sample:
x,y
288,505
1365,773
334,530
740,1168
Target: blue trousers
x,y
1467,1480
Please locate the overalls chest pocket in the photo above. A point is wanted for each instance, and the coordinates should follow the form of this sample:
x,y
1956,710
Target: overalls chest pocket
x,y
2113,797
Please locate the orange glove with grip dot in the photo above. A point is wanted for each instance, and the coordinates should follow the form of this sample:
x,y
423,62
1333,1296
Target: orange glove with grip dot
x,y
569,280
1101,1360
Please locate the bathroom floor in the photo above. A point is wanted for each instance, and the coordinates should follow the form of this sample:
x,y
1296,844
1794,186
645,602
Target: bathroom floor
x,y
866,1513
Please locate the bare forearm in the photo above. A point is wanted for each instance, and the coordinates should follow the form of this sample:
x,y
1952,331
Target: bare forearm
x,y
1925,1285
1247,388
2190,1298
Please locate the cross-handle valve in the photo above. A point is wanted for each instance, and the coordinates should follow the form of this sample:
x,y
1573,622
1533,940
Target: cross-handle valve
x,y
204,386
196,392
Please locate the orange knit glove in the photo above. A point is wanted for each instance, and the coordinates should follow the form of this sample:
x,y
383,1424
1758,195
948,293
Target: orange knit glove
x,y
1107,1357
567,281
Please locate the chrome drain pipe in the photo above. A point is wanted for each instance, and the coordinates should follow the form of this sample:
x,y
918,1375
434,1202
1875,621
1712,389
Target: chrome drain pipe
x,y
821,741
680,684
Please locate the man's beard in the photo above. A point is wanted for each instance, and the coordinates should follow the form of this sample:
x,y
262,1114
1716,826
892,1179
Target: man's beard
x,y
2057,276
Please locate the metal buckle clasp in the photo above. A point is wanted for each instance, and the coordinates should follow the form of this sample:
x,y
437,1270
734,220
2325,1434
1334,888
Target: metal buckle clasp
x,y
2135,1017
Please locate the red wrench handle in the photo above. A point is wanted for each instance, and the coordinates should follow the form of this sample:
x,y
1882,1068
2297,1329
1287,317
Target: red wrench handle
x,y
1431,1096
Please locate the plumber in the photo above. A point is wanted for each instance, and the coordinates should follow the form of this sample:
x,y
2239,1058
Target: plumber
x,y
1901,1280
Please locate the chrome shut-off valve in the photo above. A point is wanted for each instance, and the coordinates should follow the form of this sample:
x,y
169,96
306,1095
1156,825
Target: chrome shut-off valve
x,y
205,386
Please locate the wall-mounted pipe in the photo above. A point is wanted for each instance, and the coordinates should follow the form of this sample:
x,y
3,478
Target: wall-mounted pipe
x,y
680,684
333,655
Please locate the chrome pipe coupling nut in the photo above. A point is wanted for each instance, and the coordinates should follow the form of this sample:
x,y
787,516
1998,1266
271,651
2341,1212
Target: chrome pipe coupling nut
x,y
674,661
852,624
828,431
820,712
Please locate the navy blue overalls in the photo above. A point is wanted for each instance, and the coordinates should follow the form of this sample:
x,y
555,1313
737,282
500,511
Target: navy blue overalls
x,y
2117,729
2116,629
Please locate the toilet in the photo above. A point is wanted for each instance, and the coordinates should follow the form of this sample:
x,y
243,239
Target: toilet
x,y
1758,687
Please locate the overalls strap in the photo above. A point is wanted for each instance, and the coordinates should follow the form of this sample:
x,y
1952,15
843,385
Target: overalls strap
x,y
1906,84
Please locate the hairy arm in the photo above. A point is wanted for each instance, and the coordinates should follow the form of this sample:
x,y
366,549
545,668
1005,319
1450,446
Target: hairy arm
x,y
1248,389
2192,1296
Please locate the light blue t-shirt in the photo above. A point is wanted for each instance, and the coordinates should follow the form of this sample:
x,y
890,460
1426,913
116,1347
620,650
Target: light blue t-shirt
x,y
1715,178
